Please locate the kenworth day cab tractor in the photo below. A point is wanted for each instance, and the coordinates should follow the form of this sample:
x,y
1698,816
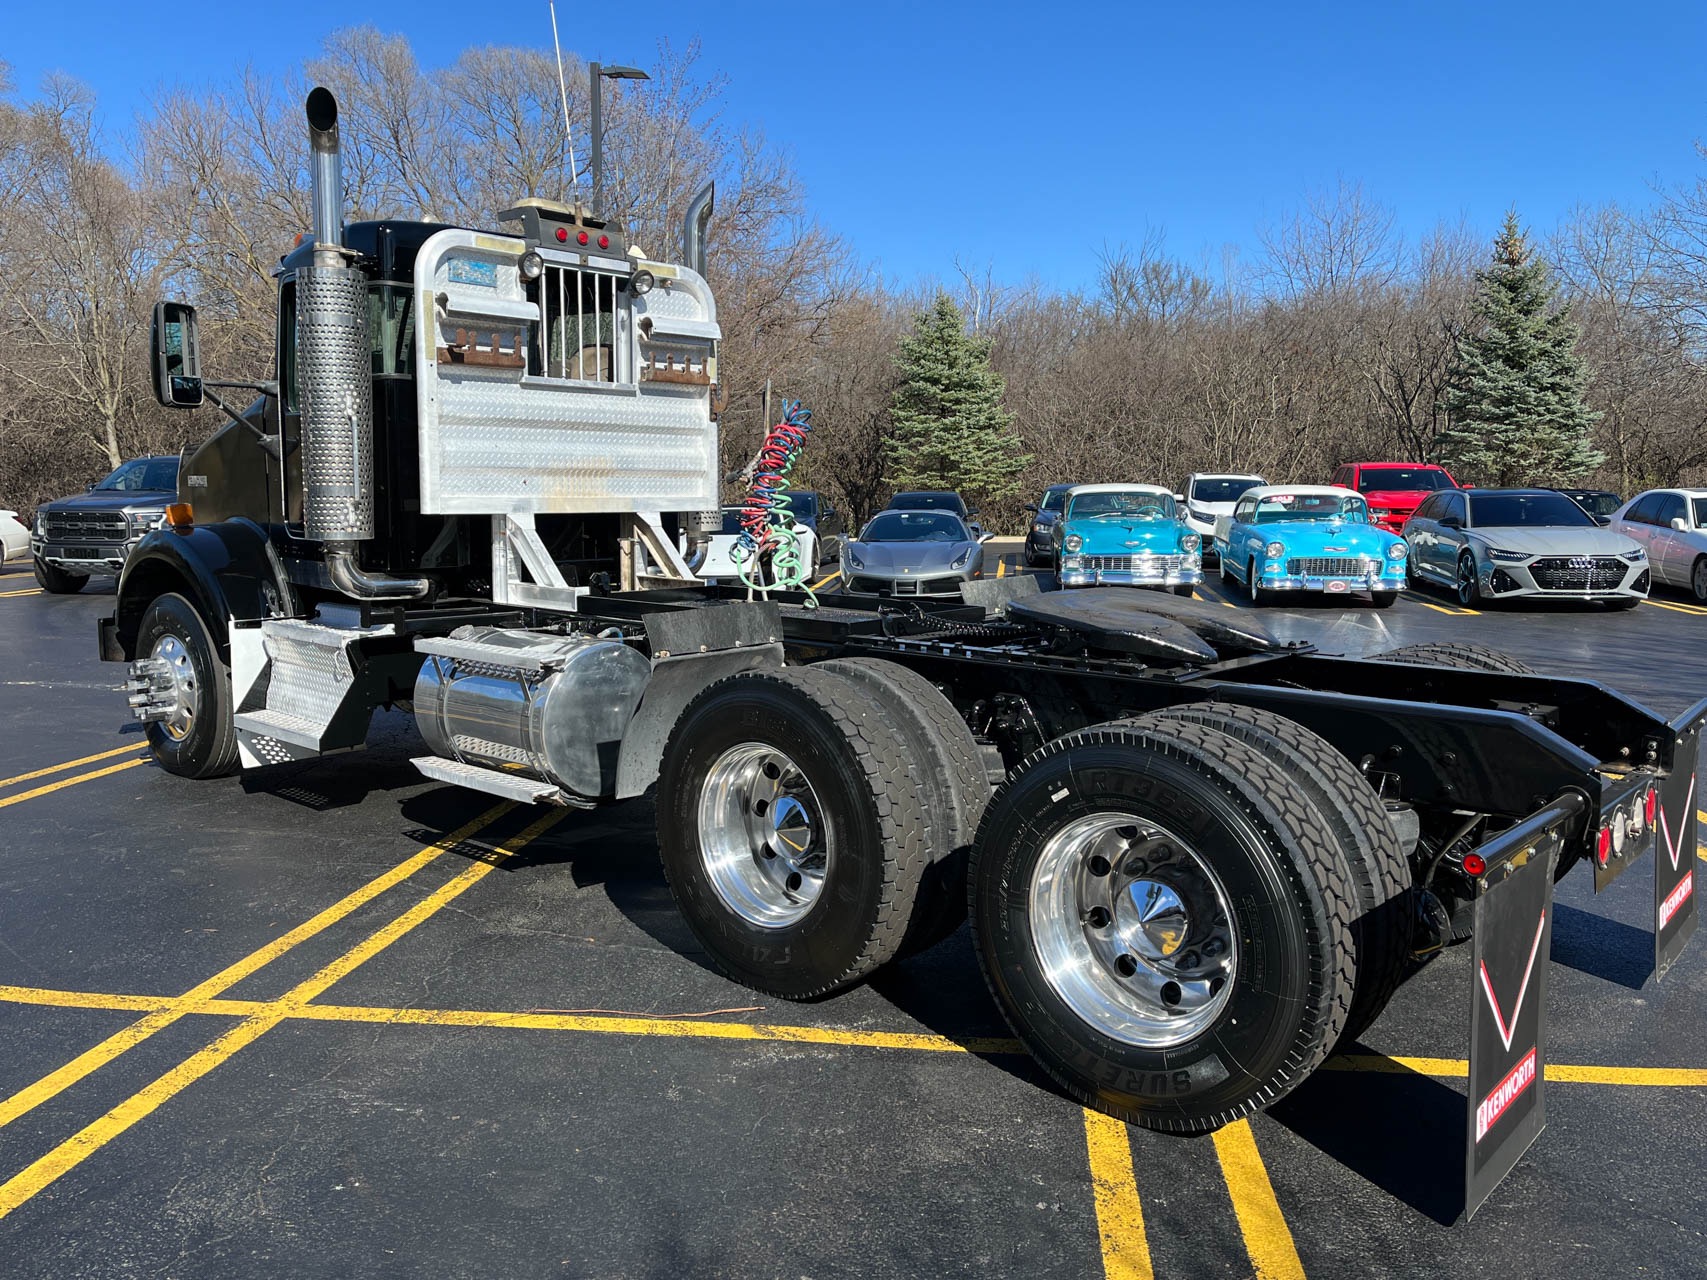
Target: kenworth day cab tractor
x,y
1197,858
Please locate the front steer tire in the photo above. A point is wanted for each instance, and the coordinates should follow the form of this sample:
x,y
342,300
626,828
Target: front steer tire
x,y
207,747
1291,914
866,819
56,581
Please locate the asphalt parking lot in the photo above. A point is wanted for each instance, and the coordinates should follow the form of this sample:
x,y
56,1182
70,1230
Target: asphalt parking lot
x,y
331,1019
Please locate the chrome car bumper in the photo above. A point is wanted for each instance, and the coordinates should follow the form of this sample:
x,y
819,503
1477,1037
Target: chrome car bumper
x,y
1372,582
1164,571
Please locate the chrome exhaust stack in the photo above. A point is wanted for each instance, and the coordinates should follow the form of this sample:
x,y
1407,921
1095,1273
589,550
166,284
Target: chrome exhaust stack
x,y
694,225
334,372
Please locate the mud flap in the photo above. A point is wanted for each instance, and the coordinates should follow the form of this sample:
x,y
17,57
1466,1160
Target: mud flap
x,y
1508,1009
1675,915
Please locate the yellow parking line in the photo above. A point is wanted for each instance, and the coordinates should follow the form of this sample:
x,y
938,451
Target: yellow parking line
x,y
1002,567
1120,1215
71,782
826,581
1451,611
1560,1072
92,1137
71,764
1268,1240
1691,610
169,1011
33,591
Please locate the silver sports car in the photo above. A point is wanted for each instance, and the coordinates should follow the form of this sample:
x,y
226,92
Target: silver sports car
x,y
912,553
1503,544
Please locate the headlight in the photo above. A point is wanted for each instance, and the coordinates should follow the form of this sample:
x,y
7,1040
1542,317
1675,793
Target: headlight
x,y
41,525
1040,527
1190,542
1637,554
1074,542
1397,551
1274,550
854,562
146,520
963,559
1510,557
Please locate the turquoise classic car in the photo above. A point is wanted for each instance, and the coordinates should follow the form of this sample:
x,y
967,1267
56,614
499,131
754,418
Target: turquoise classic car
x,y
1125,535
1309,538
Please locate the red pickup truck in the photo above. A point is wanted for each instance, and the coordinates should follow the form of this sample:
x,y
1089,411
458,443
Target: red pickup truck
x,y
1393,489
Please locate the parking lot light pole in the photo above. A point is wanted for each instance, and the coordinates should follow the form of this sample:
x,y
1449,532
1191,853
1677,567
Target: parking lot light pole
x,y
598,72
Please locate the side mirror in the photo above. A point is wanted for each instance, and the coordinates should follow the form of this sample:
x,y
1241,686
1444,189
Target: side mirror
x,y
1179,497
90,487
1031,507
1603,521
971,515
985,537
1450,522
177,365
1680,524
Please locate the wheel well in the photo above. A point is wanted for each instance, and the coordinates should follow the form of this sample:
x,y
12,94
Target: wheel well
x,y
144,584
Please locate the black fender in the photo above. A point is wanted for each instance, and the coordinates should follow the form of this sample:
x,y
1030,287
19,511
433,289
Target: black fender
x,y
229,571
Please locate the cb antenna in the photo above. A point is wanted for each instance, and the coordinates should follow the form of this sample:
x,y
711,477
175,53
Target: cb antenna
x,y
563,94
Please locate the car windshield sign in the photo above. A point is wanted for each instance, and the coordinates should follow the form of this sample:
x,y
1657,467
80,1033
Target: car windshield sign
x,y
1134,504
1221,490
1309,506
1513,510
915,526
1387,479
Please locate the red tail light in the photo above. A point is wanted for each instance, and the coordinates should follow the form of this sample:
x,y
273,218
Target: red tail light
x,y
1603,848
1475,864
1652,804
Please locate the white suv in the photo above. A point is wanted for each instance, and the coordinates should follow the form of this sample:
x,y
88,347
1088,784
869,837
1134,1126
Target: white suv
x,y
1206,496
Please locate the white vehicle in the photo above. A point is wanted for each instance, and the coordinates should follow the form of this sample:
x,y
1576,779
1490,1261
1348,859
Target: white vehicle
x,y
718,564
14,538
1672,525
1207,497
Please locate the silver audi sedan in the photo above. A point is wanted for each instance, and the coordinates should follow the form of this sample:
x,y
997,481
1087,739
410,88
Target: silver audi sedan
x,y
1671,524
1509,544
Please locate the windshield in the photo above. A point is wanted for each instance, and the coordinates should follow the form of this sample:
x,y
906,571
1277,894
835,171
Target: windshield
x,y
1596,502
1220,490
1132,504
928,502
1510,510
731,520
1052,499
915,526
143,473
1310,506
1384,479
803,505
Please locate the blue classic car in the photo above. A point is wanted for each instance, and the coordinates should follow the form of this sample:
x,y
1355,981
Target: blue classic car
x,y
1128,535
1309,538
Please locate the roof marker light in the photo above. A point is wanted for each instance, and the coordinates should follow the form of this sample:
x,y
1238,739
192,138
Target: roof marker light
x,y
581,237
562,235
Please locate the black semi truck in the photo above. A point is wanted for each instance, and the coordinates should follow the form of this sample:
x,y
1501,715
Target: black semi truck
x,y
1197,859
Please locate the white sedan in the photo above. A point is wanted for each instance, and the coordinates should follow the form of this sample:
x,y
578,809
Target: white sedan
x,y
1672,525
14,538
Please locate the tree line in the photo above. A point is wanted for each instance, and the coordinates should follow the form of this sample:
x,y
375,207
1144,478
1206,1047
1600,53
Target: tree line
x,y
1337,338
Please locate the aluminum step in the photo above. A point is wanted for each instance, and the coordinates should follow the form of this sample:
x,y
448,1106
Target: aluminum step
x,y
298,731
511,786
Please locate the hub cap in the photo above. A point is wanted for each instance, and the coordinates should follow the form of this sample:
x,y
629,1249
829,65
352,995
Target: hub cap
x,y
761,836
1133,930
178,690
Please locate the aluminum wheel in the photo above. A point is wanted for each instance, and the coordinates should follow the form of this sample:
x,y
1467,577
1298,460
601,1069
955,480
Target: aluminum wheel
x,y
1698,580
179,685
1466,581
1133,930
762,837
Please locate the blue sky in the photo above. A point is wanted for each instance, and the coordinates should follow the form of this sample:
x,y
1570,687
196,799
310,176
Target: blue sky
x,y
1026,138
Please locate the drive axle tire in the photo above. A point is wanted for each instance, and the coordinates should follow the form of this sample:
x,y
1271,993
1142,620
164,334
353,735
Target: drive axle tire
x,y
199,739
1384,599
955,779
793,825
1165,921
57,582
1380,872
1456,654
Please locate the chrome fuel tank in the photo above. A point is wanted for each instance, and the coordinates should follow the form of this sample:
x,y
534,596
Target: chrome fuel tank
x,y
546,706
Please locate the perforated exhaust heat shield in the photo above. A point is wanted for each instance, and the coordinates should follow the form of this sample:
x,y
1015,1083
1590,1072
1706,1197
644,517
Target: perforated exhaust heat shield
x,y
334,373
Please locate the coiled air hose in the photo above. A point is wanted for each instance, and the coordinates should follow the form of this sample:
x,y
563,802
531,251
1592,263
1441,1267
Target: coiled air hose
x,y
767,554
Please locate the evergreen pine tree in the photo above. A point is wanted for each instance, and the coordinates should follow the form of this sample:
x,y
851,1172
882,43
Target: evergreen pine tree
x,y
949,428
1515,404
